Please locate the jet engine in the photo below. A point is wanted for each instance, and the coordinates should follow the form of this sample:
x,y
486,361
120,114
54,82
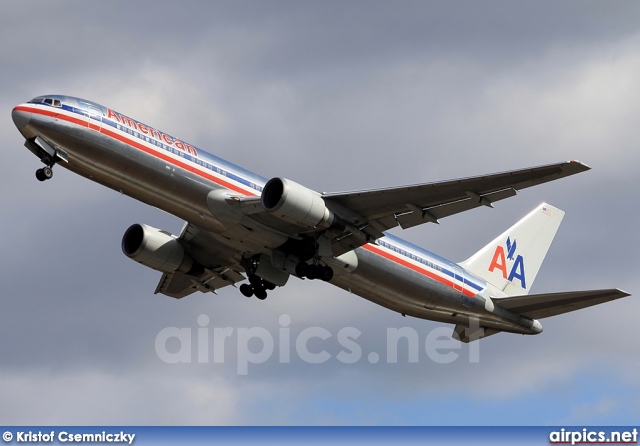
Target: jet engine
x,y
158,249
296,204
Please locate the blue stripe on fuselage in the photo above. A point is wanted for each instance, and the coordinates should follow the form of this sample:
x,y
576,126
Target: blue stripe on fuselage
x,y
431,260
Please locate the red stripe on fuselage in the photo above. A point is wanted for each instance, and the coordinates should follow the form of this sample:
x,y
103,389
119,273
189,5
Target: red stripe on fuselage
x,y
135,144
376,250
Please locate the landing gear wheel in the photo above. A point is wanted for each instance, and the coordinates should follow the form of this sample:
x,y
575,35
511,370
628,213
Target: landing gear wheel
x,y
302,269
257,286
246,290
46,173
326,273
312,272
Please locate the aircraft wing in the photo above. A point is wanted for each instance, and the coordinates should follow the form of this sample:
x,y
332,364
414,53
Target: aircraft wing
x,y
374,211
179,285
539,306
221,264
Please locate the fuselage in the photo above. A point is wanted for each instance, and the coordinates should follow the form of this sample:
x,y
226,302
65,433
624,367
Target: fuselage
x,y
166,172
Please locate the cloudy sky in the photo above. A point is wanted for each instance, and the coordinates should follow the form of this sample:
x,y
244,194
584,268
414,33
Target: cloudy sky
x,y
338,96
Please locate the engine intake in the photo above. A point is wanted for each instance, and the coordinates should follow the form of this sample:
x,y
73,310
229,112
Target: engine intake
x,y
157,249
296,204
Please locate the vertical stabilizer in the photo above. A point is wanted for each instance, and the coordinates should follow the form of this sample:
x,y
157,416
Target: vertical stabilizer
x,y
511,262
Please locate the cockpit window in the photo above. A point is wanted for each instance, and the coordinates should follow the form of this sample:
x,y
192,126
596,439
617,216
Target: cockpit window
x,y
50,101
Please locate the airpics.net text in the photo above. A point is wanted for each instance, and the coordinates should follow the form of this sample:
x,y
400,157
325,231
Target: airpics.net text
x,y
258,345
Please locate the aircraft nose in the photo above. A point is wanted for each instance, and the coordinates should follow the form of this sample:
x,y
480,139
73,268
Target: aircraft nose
x,y
20,118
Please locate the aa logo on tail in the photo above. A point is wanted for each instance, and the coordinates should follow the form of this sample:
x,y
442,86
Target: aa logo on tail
x,y
501,261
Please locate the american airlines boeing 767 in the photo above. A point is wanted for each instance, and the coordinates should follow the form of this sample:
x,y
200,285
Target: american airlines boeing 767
x,y
241,227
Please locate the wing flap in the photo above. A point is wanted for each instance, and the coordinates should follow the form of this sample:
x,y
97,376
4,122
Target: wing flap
x,y
539,306
434,213
179,285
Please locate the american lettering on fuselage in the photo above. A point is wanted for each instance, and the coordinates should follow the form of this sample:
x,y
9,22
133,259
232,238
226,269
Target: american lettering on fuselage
x,y
241,228
143,131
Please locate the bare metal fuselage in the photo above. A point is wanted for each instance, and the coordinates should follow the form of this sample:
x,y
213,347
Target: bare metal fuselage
x,y
150,166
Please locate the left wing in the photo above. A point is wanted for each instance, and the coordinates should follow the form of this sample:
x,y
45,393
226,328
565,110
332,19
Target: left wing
x,y
373,211
179,285
220,263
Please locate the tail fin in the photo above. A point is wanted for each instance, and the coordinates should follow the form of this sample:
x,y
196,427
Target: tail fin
x,y
511,262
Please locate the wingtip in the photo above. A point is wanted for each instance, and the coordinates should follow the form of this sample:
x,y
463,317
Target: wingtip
x,y
581,167
623,293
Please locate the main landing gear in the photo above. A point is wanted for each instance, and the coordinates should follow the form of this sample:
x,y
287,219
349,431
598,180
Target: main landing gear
x,y
314,271
258,287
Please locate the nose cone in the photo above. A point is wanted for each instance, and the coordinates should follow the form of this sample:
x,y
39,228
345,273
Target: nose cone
x,y
20,118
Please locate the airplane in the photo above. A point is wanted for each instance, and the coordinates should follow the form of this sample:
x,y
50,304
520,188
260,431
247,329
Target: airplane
x,y
243,228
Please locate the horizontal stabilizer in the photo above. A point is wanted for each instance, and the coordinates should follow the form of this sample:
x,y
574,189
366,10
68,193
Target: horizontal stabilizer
x,y
539,306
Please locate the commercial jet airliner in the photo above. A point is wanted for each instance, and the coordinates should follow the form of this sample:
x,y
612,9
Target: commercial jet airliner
x,y
242,227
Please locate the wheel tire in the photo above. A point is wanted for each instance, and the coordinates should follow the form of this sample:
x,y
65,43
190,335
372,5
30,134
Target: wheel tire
x,y
40,175
246,290
261,293
47,172
302,269
326,274
312,272
268,285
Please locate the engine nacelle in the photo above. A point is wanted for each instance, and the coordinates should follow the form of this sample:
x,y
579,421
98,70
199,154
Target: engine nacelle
x,y
158,250
296,204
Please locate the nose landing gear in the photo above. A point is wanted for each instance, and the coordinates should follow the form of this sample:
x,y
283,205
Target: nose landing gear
x,y
47,154
46,173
